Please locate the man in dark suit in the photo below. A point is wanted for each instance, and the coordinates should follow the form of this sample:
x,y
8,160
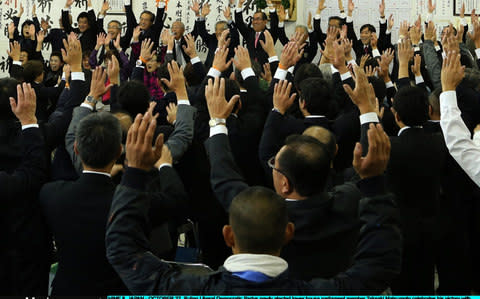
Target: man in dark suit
x,y
258,227
368,42
211,40
87,29
150,25
23,170
253,36
76,211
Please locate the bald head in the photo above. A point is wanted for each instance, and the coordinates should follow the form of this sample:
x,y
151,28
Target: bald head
x,y
178,29
325,136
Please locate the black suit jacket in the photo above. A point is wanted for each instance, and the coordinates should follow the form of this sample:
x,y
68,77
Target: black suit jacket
x,y
77,213
414,175
256,52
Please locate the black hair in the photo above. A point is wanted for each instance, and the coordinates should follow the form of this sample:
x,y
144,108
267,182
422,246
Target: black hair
x,y
257,69
370,27
264,15
31,70
162,72
258,217
152,16
27,23
82,15
337,18
434,100
191,77
317,94
98,137
411,105
8,89
307,70
115,21
57,54
306,164
133,97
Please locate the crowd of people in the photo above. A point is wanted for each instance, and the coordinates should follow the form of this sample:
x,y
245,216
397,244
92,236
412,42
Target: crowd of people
x,y
124,156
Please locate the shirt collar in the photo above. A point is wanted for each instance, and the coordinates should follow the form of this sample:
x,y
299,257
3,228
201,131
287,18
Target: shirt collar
x,y
314,116
269,265
98,172
407,127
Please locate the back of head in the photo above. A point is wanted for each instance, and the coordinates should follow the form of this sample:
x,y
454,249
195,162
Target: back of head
x,y
472,78
434,100
325,136
31,70
8,89
162,73
410,103
317,94
191,77
257,69
306,163
258,217
326,70
98,138
133,97
231,89
307,70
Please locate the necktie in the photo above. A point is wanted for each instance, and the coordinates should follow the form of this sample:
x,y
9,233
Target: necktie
x,y
180,59
257,36
366,49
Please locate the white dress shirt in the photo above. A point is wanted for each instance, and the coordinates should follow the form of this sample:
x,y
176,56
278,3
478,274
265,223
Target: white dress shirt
x,y
457,136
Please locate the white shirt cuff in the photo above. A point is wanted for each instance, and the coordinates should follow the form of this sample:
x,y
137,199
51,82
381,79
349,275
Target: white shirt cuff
x,y
214,73
238,9
126,2
164,164
383,20
183,102
17,63
220,129
85,105
161,5
272,59
291,69
272,10
388,31
448,99
281,24
248,72
342,15
317,17
352,62
477,52
100,16
280,74
334,70
169,52
463,22
78,76
376,53
429,17
349,19
345,76
437,48
370,117
66,9
89,9
389,84
418,80
30,126
195,60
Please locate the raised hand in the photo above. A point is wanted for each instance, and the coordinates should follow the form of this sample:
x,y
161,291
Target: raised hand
x,y
171,113
220,60
383,64
195,7
40,37
268,45
417,61
113,70
116,43
290,55
240,3
100,40
364,59
282,100
177,81
309,22
360,96
391,22
25,106
105,8
403,31
205,9
189,49
281,14
242,58
72,54
224,40
381,8
475,35
97,85
416,34
374,41
146,50
452,71
376,161
139,151
218,107
267,73
11,30
34,10
321,6
68,4
462,11
227,13
431,7
136,34
430,32
20,11
351,7
405,51
44,25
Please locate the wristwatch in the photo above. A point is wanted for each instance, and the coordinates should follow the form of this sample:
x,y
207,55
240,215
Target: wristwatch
x,y
217,121
91,99
139,63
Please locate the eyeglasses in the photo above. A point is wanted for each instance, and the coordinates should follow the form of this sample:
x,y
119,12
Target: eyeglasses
x,y
271,164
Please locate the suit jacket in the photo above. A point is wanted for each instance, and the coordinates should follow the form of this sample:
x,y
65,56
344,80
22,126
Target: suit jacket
x,y
414,175
76,214
256,51
310,49
22,223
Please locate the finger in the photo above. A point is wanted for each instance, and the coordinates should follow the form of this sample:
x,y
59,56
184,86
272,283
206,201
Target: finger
x,y
150,132
357,155
348,90
159,145
13,104
232,102
134,129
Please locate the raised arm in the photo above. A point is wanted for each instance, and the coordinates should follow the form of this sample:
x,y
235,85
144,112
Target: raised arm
x,y
242,27
65,19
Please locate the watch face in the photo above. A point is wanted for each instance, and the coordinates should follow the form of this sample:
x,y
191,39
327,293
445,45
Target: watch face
x,y
212,123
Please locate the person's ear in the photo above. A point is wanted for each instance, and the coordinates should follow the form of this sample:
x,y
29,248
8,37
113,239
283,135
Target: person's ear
x,y
75,148
285,185
120,150
289,232
301,103
430,111
227,232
